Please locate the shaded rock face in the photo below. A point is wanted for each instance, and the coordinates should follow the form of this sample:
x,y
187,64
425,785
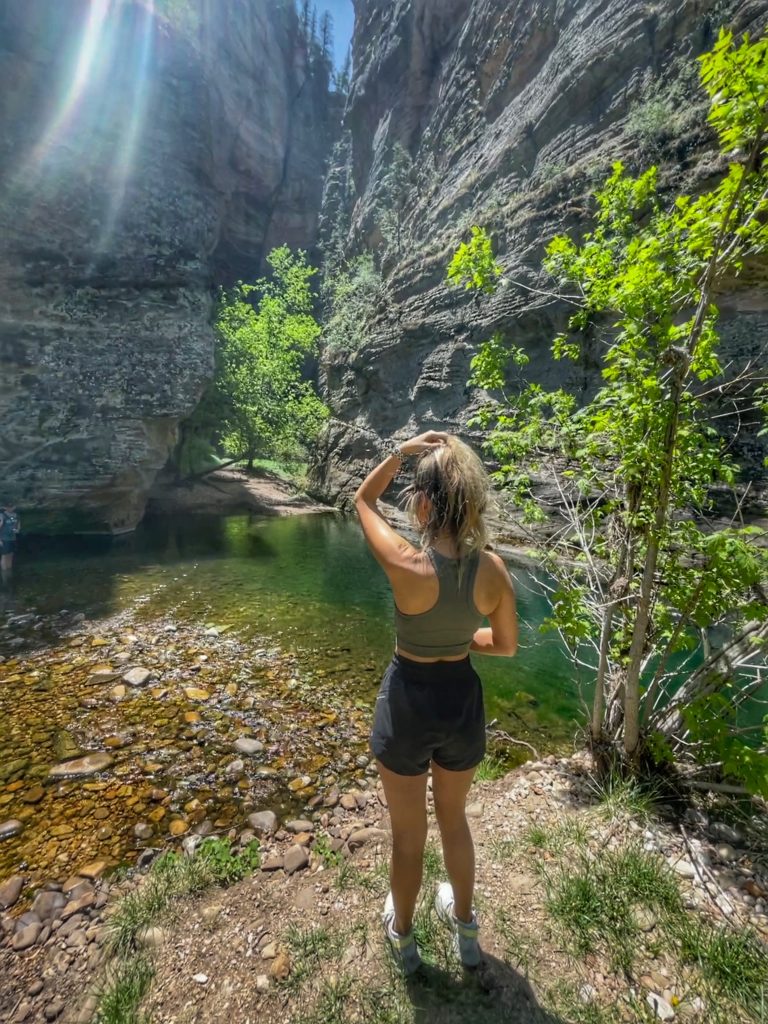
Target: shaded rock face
x,y
144,160
512,114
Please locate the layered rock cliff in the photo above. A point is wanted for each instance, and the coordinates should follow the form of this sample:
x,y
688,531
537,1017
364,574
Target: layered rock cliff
x,y
149,151
510,114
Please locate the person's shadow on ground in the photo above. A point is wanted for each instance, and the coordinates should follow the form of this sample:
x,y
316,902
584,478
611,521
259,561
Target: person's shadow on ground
x,y
493,994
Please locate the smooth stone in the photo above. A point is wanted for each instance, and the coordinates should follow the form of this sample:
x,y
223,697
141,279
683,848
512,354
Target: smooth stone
x,y
365,835
77,906
348,802
10,828
263,823
235,768
26,937
660,1007
475,810
685,869
272,863
88,765
720,830
200,979
299,825
142,831
269,952
295,859
77,939
246,745
280,967
94,869
262,983
195,693
54,1009
178,827
103,675
33,795
151,937
137,676
46,904
726,852
300,783
10,891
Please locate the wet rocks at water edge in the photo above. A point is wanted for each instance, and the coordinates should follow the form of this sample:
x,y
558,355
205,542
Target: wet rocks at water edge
x,y
10,828
88,765
249,746
263,822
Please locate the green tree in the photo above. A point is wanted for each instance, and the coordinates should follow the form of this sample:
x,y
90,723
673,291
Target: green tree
x,y
259,404
657,593
396,193
353,296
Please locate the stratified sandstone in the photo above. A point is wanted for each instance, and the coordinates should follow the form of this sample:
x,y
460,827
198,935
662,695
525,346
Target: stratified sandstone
x,y
145,159
512,113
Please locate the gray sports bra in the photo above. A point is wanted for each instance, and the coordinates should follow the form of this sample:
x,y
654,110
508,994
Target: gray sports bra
x,y
447,628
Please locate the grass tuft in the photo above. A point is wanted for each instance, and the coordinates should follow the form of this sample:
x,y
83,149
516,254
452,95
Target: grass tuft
x,y
127,984
592,899
173,876
490,768
625,797
568,835
735,964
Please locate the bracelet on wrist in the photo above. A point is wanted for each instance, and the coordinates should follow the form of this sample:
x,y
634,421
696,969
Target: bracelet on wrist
x,y
392,450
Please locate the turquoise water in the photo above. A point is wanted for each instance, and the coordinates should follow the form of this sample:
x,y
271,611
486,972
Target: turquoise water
x,y
307,583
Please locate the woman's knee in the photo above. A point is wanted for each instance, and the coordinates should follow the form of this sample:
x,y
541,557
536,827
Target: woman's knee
x,y
410,841
451,819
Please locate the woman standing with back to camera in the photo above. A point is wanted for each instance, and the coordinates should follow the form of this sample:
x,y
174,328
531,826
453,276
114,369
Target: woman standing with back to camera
x,y
429,711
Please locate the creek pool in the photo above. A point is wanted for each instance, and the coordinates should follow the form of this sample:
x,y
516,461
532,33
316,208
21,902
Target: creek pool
x,y
308,583
274,628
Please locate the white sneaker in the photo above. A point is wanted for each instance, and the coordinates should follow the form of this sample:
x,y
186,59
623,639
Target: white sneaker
x,y
404,948
465,934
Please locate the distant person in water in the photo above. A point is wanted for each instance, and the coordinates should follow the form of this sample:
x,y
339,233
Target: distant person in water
x,y
9,527
429,711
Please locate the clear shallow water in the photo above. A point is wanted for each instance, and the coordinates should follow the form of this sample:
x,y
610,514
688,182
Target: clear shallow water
x,y
277,629
308,583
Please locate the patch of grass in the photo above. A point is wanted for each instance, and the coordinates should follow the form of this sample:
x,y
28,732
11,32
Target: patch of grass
x,y
621,797
331,1004
310,949
503,850
126,986
173,876
734,964
592,899
490,768
374,881
569,834
434,869
331,858
519,946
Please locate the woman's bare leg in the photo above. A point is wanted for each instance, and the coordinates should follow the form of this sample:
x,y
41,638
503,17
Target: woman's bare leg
x,y
450,791
407,802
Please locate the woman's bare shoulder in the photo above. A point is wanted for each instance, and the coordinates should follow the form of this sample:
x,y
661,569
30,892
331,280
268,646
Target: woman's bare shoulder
x,y
494,568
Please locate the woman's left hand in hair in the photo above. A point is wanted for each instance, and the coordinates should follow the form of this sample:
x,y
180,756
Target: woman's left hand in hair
x,y
424,442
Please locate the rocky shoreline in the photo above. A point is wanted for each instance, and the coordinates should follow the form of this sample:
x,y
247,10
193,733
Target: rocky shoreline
x,y
53,953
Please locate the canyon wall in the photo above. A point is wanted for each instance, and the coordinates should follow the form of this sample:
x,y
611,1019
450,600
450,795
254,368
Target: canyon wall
x,y
149,152
511,113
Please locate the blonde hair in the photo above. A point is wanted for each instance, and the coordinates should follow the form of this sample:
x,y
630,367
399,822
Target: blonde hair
x,y
454,481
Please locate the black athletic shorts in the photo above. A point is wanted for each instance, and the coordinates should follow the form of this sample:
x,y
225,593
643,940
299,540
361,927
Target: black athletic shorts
x,y
7,547
429,711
